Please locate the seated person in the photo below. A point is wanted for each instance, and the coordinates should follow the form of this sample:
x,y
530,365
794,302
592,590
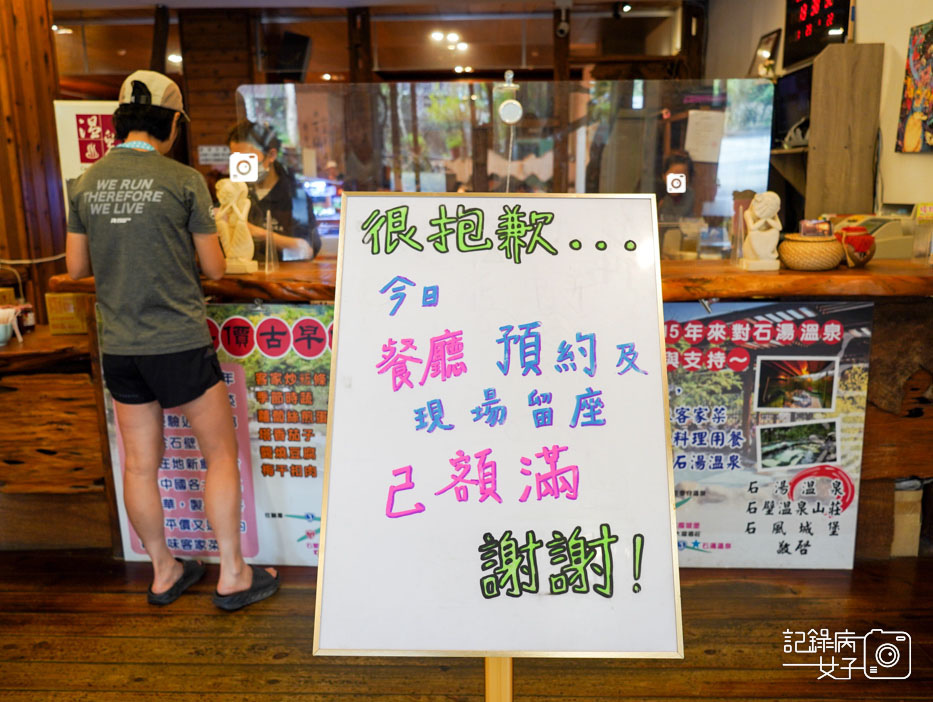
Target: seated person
x,y
677,196
276,192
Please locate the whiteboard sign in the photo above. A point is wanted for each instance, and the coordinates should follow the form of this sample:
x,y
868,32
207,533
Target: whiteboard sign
x,y
498,467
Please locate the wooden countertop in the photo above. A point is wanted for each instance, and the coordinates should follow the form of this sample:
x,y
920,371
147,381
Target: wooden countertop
x,y
42,349
315,281
695,280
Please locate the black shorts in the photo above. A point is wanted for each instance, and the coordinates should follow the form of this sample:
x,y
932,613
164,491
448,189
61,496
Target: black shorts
x,y
171,378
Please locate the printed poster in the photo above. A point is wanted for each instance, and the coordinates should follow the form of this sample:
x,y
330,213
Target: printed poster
x,y
498,462
85,133
276,364
767,404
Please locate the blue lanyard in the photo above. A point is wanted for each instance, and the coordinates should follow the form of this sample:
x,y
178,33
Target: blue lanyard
x,y
136,145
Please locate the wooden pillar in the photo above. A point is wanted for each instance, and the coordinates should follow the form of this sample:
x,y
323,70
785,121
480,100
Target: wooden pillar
x,y
159,39
482,135
692,31
396,136
360,42
561,101
364,146
216,49
415,137
32,210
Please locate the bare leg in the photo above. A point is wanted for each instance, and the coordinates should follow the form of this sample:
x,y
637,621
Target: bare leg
x,y
212,422
141,430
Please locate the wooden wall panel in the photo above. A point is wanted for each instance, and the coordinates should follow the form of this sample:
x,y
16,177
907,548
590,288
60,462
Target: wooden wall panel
x,y
31,210
54,521
217,48
843,128
875,530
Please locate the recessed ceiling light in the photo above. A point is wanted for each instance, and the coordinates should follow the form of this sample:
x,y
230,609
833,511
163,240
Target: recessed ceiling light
x,y
64,30
462,46
121,52
327,76
451,47
626,8
174,58
468,69
453,37
458,69
437,35
54,27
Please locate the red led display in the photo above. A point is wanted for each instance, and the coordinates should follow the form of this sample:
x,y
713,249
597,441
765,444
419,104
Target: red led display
x,y
812,24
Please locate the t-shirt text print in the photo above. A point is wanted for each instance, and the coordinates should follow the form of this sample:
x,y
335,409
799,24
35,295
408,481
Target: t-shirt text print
x,y
121,198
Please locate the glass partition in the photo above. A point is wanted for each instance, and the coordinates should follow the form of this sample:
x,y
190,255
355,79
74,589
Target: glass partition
x,y
701,146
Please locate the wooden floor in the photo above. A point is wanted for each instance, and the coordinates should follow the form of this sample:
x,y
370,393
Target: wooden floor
x,y
75,626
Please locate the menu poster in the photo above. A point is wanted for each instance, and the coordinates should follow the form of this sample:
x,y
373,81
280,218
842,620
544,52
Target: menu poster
x,y
276,364
85,133
767,412
497,474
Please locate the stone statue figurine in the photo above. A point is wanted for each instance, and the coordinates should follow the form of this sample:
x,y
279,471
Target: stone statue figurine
x,y
232,226
762,231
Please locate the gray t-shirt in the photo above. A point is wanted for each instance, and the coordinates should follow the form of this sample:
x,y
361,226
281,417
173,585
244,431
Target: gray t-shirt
x,y
139,210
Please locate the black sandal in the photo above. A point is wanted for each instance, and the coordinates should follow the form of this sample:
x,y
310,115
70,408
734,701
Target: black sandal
x,y
264,585
192,572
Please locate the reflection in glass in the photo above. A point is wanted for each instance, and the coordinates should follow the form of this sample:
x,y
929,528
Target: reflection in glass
x,y
711,138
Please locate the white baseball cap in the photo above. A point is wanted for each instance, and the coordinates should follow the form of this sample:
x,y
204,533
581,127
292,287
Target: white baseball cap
x,y
152,88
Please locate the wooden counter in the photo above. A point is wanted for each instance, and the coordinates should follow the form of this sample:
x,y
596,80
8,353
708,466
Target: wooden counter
x,y
41,349
898,421
308,281
316,281
695,280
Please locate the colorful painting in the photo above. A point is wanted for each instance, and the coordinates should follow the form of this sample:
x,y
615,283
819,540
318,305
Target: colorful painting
x,y
915,126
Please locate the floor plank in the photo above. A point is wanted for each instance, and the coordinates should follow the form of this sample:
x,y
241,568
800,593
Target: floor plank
x,y
74,625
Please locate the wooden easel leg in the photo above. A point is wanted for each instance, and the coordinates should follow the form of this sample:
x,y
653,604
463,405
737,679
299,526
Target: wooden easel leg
x,y
498,680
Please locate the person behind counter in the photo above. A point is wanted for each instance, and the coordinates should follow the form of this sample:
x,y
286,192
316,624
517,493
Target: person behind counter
x,y
156,346
275,192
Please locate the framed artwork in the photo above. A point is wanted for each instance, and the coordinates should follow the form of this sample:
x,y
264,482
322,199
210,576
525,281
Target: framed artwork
x,y
915,124
763,62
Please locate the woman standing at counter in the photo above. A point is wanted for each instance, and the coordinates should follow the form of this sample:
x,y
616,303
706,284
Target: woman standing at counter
x,y
275,192
137,219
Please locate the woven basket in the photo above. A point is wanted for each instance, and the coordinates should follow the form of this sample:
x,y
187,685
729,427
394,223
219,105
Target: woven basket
x,y
810,253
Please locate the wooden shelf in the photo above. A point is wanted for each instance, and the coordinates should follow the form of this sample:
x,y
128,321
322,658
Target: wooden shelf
x,y
795,150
